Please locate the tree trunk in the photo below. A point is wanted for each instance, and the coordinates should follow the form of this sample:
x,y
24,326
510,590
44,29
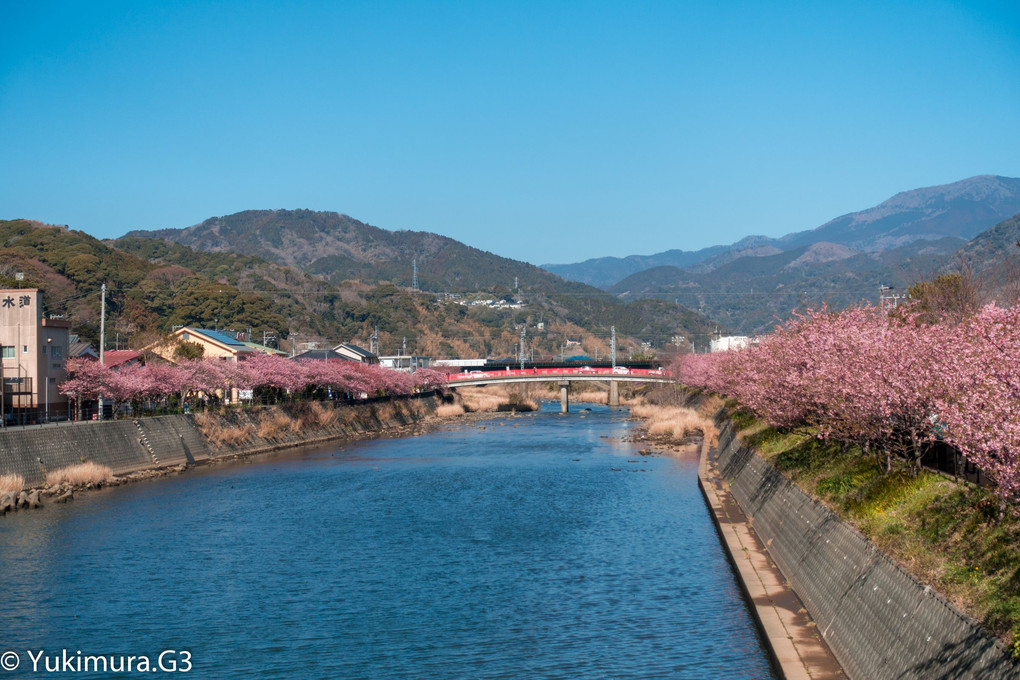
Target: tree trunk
x,y
915,451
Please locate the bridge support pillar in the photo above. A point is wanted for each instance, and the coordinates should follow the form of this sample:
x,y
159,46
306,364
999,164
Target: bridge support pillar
x,y
564,396
614,394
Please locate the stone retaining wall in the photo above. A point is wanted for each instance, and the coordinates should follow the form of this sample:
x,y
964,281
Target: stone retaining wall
x,y
879,621
132,445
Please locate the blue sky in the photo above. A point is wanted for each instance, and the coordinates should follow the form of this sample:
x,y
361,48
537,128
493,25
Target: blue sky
x,y
542,131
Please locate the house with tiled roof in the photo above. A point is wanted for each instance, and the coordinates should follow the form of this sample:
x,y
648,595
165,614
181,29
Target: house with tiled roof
x,y
76,349
215,344
355,353
115,358
320,355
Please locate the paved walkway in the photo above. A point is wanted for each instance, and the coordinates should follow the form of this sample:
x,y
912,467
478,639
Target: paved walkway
x,y
797,649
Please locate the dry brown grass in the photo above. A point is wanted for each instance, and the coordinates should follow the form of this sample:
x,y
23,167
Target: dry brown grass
x,y
232,436
591,397
11,483
274,423
82,473
385,411
496,398
449,410
674,423
710,405
481,401
214,429
323,415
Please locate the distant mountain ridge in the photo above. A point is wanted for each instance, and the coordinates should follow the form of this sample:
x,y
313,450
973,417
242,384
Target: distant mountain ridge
x,y
961,210
345,252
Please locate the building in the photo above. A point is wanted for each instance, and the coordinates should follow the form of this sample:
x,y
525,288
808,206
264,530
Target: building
x,y
214,344
80,350
405,363
265,349
319,355
115,358
727,342
355,353
461,363
34,355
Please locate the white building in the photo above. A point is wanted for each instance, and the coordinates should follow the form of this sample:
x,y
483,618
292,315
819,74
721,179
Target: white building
x,y
725,343
405,363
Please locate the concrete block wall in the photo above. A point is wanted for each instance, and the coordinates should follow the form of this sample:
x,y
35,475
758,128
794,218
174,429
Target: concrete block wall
x,y
132,445
175,440
34,451
354,419
879,621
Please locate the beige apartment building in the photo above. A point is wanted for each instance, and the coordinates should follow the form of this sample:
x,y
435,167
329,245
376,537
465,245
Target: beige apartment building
x,y
34,351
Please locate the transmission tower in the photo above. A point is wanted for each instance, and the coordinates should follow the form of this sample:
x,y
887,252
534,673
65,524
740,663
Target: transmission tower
x,y
414,280
612,344
373,342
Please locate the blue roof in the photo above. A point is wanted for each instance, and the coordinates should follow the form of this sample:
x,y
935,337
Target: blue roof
x,y
580,357
222,337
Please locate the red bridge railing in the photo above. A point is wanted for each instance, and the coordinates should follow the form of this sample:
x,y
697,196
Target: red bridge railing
x,y
553,373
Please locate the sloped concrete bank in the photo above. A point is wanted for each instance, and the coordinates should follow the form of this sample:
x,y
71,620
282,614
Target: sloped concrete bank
x,y
878,620
129,446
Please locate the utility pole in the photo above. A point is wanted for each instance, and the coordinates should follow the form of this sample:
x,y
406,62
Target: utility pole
x,y
888,300
102,340
524,330
612,344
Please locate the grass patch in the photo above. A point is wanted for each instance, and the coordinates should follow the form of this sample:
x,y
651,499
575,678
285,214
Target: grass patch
x,y
449,410
80,474
11,483
947,534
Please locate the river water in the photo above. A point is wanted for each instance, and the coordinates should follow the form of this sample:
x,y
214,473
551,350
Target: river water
x,y
539,546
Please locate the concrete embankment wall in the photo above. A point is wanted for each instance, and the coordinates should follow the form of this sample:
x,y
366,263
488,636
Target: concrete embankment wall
x,y
879,621
132,445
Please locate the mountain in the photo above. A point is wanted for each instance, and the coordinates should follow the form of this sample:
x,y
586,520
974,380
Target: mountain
x,y
603,272
750,294
353,257
337,247
993,258
960,210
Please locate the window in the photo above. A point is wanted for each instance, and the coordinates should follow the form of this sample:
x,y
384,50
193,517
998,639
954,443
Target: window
x,y
57,353
8,351
24,349
42,350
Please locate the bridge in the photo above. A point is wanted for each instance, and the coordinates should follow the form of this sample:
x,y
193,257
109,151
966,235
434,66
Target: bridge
x,y
564,375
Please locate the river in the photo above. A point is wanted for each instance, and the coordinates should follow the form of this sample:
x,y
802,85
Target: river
x,y
539,546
